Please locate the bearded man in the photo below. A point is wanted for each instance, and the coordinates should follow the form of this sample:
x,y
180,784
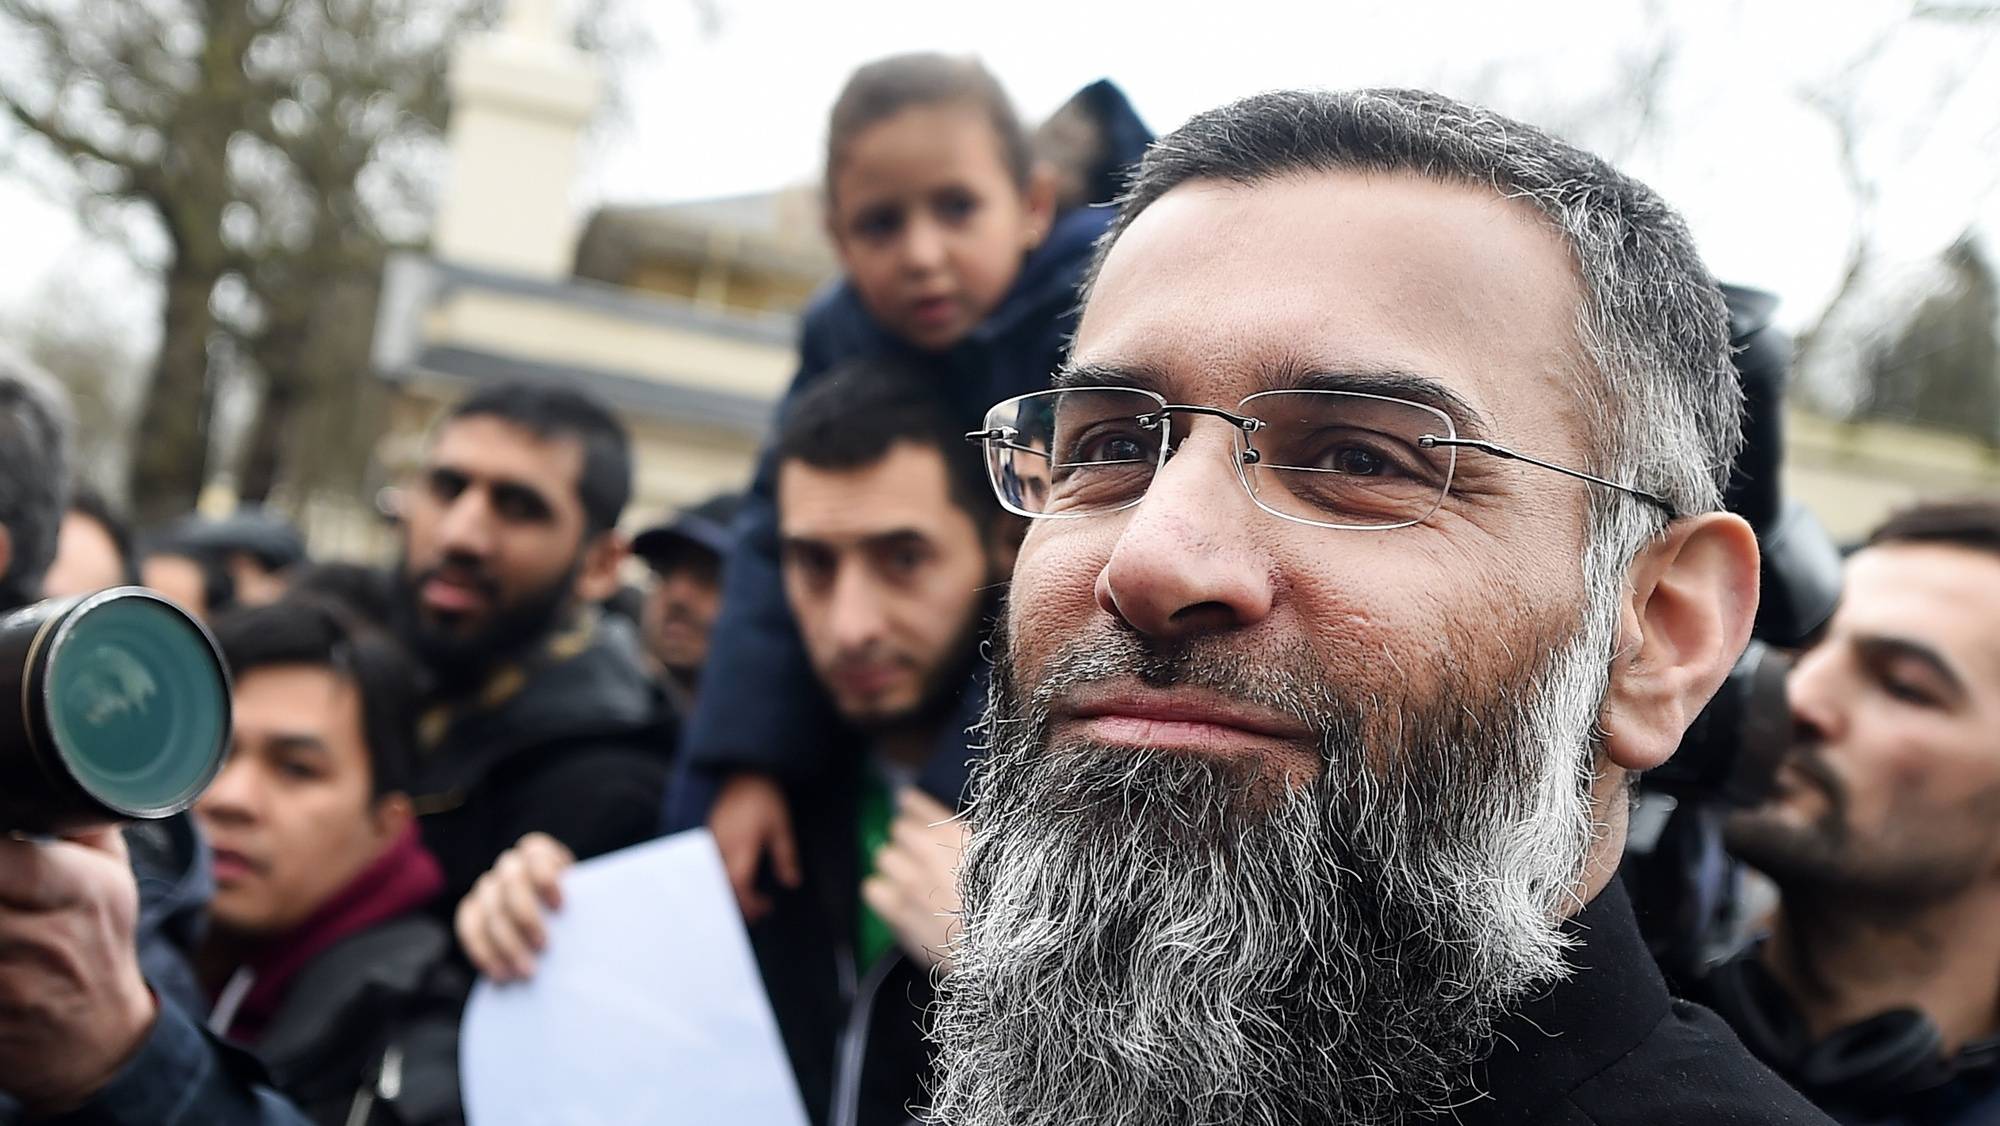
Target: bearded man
x,y
1377,549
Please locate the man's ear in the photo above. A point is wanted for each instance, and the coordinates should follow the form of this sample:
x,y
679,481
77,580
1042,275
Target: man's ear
x,y
1040,194
597,579
1685,618
393,813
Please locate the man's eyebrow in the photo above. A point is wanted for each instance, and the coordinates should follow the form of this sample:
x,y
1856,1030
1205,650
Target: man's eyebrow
x,y
1106,375
1397,383
1879,648
290,742
1388,382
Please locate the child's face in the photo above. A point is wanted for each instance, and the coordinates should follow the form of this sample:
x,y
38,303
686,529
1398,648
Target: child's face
x,y
929,222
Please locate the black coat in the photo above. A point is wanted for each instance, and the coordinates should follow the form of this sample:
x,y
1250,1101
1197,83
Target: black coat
x,y
855,1036
1609,1046
578,749
368,1031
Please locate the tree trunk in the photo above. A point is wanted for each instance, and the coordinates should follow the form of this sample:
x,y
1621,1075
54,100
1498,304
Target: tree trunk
x,y
170,455
270,434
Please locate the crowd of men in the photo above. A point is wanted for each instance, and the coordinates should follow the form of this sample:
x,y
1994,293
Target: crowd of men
x,y
1242,731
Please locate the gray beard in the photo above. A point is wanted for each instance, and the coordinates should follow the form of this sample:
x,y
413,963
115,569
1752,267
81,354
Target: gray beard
x,y
1156,939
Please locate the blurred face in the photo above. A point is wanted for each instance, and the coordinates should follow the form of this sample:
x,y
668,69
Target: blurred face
x,y
1279,738
179,578
886,578
680,610
1892,792
496,544
290,818
86,560
930,224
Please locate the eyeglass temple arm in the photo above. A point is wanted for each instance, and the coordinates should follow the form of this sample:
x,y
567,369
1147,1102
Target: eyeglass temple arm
x,y
1663,504
1004,435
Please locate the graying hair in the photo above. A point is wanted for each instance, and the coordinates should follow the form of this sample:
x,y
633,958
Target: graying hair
x,y
35,427
1664,409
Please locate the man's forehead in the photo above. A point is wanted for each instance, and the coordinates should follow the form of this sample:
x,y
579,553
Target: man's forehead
x,y
906,488
494,446
1945,597
1218,286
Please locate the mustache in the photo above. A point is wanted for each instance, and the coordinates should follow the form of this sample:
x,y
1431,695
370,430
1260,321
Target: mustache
x,y
1286,679
1805,757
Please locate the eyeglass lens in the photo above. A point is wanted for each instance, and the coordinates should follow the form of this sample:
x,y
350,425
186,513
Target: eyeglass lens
x,y
1336,458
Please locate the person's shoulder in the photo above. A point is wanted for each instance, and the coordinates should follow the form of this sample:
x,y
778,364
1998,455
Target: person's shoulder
x,y
835,326
1691,1070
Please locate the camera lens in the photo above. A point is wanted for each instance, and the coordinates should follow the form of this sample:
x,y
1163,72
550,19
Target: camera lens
x,y
113,706
135,705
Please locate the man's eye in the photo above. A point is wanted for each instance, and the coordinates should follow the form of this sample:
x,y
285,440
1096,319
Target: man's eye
x,y
297,771
445,485
902,560
1356,461
1908,692
1110,446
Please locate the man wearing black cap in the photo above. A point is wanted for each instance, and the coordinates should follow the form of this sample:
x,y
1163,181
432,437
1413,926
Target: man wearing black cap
x,y
685,555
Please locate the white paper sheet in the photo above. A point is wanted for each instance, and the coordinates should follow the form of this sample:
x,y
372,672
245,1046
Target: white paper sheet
x,y
646,1007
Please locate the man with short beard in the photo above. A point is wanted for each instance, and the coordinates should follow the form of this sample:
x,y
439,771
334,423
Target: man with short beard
x,y
1377,548
544,718
1878,989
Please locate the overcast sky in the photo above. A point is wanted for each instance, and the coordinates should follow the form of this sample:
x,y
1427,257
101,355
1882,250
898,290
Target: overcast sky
x,y
742,108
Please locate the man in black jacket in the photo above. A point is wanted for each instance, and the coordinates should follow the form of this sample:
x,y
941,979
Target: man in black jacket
x,y
319,955
1378,545
890,548
544,718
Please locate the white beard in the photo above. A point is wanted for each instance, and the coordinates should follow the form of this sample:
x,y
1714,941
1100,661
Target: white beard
x,y
1154,939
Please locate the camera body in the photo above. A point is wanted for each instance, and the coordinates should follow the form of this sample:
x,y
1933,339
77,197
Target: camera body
x,y
114,706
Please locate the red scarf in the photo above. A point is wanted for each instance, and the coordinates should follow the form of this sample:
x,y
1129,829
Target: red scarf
x,y
403,878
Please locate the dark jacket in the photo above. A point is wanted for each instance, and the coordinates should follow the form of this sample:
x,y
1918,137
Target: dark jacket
x,y
355,1010
855,1035
1890,1070
760,708
573,741
1610,1046
368,1033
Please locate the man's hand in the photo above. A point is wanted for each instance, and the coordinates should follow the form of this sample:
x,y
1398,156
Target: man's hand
x,y
915,885
750,820
73,1004
499,921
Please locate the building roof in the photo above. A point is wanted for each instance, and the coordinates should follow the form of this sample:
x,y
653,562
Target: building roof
x,y
777,232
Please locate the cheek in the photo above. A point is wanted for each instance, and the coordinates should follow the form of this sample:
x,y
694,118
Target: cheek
x,y
1053,595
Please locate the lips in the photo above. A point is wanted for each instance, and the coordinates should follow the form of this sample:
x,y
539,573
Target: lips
x,y
231,866
1184,719
453,595
932,312
865,680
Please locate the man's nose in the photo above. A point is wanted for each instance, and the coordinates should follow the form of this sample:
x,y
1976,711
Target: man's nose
x,y
1185,562
232,797
466,527
1813,690
856,615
